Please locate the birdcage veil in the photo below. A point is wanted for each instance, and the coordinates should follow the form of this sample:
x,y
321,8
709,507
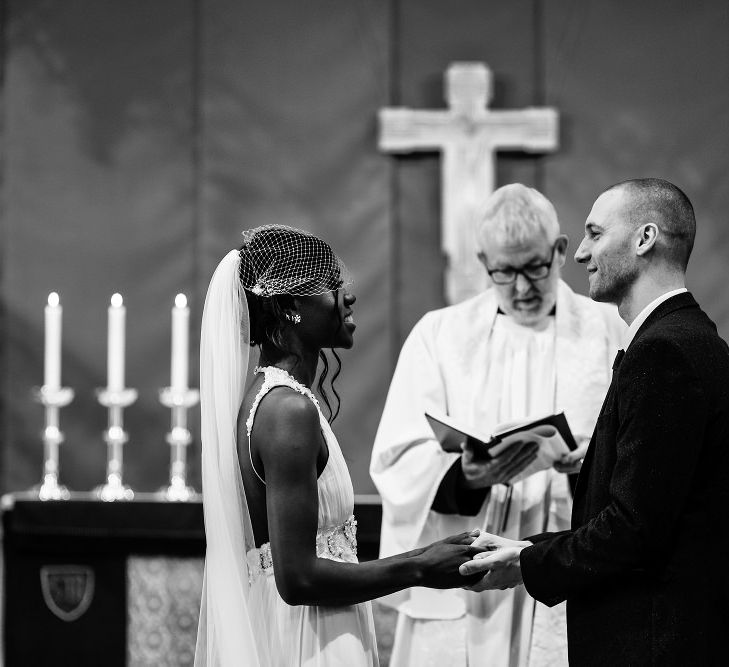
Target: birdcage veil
x,y
276,259
273,260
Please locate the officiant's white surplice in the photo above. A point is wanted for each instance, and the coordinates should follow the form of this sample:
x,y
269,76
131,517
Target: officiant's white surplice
x,y
483,369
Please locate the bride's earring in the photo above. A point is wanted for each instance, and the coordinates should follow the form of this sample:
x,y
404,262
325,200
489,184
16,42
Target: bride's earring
x,y
295,317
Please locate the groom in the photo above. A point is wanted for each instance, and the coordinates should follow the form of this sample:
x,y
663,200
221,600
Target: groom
x,y
645,567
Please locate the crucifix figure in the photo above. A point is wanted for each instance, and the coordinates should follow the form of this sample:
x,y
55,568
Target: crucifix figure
x,y
468,134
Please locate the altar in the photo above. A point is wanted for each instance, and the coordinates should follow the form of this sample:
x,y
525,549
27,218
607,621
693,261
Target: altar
x,y
88,582
114,583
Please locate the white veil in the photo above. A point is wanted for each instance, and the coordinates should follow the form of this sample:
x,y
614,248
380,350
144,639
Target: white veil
x,y
225,632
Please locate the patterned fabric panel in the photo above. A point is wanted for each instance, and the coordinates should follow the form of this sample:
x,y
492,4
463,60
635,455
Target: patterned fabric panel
x,y
163,608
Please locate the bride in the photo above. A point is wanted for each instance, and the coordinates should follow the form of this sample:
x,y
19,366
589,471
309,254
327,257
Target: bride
x,y
282,582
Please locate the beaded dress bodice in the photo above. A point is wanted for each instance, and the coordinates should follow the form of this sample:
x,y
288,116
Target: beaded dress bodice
x,y
336,536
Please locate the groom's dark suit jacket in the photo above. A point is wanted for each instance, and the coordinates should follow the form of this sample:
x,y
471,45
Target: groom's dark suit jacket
x,y
645,568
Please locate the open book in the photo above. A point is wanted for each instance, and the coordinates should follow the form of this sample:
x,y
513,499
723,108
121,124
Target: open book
x,y
551,432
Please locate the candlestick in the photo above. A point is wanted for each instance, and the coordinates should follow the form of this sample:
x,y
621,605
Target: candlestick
x,y
53,399
115,350
52,361
115,436
180,341
178,438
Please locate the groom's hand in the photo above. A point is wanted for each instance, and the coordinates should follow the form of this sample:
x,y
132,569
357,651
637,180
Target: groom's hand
x,y
502,570
489,542
499,563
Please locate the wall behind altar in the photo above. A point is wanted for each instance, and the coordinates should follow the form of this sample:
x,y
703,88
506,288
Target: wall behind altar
x,y
139,138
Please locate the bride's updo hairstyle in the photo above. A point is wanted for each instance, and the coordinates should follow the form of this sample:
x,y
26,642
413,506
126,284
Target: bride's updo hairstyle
x,y
278,263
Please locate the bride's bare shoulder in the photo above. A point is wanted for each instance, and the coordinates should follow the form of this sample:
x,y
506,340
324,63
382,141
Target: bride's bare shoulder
x,y
286,419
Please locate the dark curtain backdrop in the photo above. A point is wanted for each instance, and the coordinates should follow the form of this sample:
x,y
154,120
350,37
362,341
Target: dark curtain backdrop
x,y
139,138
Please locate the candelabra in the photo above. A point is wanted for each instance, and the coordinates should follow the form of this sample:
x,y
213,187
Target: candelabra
x,y
179,401
115,436
52,399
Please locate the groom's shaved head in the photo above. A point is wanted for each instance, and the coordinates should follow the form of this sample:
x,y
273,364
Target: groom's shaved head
x,y
653,200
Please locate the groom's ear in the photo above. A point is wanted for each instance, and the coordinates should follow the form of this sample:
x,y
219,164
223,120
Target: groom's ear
x,y
647,238
560,248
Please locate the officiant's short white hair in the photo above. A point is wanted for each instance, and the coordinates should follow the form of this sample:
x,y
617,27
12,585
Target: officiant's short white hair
x,y
516,213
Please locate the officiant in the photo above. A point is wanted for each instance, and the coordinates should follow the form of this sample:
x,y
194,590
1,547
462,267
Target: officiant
x,y
526,347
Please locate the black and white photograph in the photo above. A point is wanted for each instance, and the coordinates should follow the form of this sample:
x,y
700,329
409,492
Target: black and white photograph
x,y
364,333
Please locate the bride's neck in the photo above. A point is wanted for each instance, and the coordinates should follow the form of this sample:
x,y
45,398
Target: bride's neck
x,y
300,364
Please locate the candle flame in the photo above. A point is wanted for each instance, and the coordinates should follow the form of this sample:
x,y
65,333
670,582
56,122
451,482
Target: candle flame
x,y
116,300
181,301
53,299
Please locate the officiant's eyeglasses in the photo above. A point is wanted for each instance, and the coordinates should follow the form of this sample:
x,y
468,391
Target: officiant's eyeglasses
x,y
508,275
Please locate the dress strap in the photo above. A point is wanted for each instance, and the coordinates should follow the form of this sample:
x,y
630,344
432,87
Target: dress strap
x,y
273,377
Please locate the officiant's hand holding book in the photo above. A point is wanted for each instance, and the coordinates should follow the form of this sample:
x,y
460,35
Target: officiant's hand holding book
x,y
480,473
571,463
516,450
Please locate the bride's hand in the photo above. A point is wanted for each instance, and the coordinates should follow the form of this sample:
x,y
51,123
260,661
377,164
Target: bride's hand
x,y
440,561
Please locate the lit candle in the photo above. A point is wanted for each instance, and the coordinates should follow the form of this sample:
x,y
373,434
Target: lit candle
x,y
180,340
52,366
115,350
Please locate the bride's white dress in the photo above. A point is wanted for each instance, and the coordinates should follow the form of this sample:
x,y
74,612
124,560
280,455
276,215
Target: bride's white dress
x,y
318,636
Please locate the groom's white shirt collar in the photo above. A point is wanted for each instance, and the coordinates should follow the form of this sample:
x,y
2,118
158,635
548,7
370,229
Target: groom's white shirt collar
x,y
643,315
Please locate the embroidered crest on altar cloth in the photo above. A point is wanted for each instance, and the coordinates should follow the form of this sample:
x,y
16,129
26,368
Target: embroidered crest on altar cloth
x,y
67,590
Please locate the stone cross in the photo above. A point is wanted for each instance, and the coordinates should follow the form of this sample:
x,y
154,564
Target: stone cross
x,y
468,134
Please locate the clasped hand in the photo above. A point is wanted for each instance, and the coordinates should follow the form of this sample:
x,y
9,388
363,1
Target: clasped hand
x,y
499,564
440,561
